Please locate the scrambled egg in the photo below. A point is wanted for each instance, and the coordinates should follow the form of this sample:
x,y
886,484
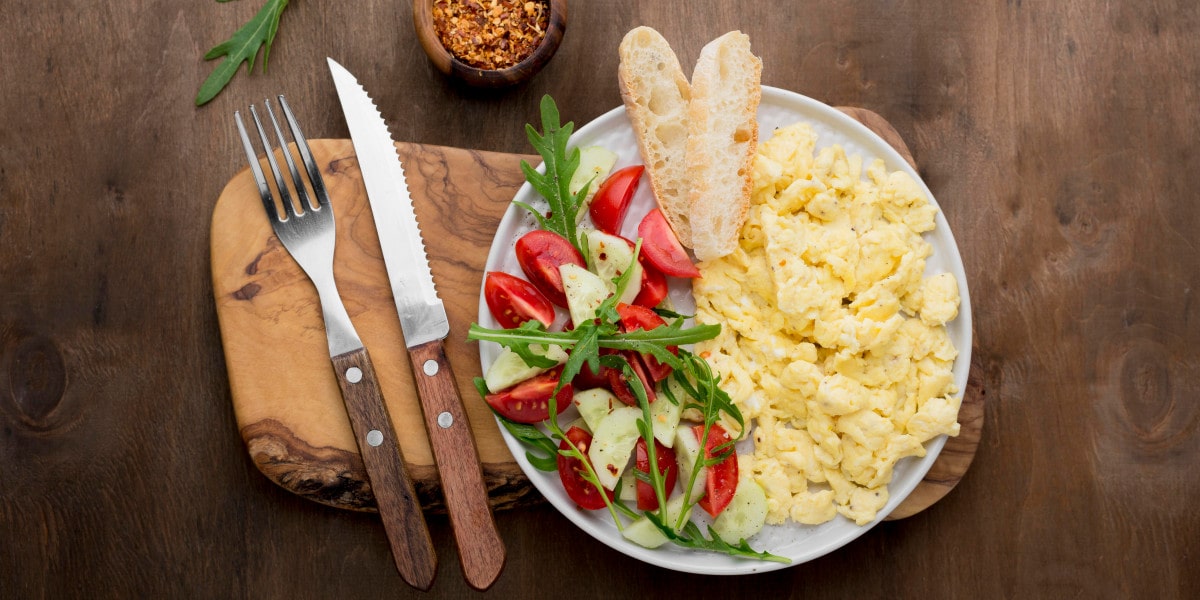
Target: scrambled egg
x,y
833,344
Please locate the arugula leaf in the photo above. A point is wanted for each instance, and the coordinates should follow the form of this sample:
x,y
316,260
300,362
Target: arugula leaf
x,y
532,357
643,340
584,351
667,313
554,185
258,33
691,537
656,340
481,387
548,461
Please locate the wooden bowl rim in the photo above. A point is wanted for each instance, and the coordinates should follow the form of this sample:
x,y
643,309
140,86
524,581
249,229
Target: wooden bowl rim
x,y
448,64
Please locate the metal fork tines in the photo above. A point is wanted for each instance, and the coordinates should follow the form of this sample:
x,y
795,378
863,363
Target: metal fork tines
x,y
306,230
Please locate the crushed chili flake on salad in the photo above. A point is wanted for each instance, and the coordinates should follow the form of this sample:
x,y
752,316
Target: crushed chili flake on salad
x,y
491,34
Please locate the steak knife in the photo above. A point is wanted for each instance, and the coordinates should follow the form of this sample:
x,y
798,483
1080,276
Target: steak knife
x,y
425,325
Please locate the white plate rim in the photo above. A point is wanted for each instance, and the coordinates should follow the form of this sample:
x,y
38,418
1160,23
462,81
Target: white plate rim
x,y
805,108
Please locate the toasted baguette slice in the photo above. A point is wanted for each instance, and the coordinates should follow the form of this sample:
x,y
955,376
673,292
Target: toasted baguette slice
x,y
656,94
722,137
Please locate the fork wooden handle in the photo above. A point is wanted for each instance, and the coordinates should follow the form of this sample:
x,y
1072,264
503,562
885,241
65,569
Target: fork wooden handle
x,y
403,520
479,545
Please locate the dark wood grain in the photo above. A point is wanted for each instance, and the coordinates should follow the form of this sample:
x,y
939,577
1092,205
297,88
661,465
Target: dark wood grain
x,y
479,545
1058,137
391,486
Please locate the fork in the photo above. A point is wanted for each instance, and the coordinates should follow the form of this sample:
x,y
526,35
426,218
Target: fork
x,y
307,231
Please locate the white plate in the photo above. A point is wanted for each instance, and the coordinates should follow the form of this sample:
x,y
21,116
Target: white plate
x,y
800,543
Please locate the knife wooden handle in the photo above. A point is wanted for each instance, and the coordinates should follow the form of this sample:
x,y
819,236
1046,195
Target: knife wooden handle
x,y
403,520
479,545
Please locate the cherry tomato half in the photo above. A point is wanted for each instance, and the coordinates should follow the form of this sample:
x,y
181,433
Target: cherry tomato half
x,y
540,253
611,202
654,284
662,248
529,401
588,379
620,386
513,301
723,476
634,317
646,500
571,470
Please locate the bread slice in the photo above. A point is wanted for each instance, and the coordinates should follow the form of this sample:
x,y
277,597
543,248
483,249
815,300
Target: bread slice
x,y
721,141
656,95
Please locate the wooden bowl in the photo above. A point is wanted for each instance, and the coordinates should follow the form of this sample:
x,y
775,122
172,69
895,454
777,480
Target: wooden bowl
x,y
449,65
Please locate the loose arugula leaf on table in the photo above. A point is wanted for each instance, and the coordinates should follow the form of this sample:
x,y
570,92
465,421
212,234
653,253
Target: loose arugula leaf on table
x,y
243,47
554,185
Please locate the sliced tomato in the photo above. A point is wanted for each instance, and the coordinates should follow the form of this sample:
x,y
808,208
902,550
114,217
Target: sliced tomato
x,y
588,379
723,476
620,386
665,457
662,248
634,317
529,401
611,202
513,300
571,470
654,285
540,253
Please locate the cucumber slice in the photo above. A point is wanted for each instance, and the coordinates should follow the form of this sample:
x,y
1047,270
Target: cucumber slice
x,y
644,533
628,491
580,423
610,256
510,369
584,290
595,163
687,454
664,415
612,444
595,404
745,515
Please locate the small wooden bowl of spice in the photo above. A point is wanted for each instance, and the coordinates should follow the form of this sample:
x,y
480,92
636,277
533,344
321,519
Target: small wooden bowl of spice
x,y
490,43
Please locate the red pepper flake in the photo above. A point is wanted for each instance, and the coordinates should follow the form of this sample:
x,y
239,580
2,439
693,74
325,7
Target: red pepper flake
x,y
491,34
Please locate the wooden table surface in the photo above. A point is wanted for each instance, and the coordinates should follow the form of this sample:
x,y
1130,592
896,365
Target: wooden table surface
x,y
1058,137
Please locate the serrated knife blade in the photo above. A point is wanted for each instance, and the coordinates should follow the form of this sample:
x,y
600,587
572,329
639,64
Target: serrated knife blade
x,y
425,325
422,314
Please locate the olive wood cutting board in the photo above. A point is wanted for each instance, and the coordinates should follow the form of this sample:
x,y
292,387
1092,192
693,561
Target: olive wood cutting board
x,y
285,397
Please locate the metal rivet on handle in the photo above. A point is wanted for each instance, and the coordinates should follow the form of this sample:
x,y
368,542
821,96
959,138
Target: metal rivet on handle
x,y
445,420
431,367
354,375
374,437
